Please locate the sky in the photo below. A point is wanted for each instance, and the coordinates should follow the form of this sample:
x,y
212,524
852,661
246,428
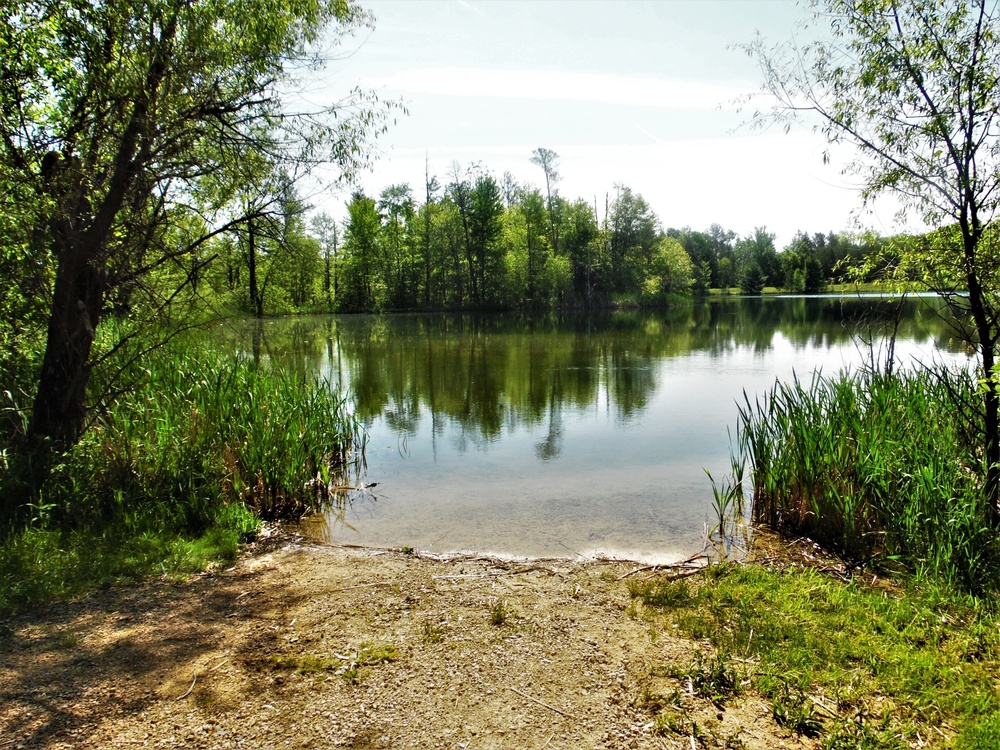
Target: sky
x,y
639,93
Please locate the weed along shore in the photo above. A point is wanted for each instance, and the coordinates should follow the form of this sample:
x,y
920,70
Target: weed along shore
x,y
300,644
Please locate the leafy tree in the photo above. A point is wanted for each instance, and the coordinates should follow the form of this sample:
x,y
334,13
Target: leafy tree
x,y
913,87
453,237
510,189
532,210
363,286
727,274
431,187
325,230
282,261
460,196
296,262
670,269
116,116
485,225
633,228
396,206
698,246
757,262
802,268
581,245
752,279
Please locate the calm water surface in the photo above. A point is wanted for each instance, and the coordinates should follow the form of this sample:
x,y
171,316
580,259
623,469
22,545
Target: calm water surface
x,y
570,435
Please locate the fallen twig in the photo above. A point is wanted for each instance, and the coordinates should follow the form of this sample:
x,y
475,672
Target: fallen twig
x,y
219,664
823,707
688,564
362,586
496,575
190,688
542,703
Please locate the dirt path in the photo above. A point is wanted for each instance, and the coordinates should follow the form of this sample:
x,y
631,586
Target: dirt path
x,y
312,646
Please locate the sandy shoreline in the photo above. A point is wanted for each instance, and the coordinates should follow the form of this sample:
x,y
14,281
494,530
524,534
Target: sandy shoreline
x,y
302,644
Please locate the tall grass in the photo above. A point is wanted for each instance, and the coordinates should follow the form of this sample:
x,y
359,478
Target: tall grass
x,y
205,430
876,466
177,472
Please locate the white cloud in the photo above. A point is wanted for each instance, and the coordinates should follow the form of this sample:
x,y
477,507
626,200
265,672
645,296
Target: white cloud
x,y
550,85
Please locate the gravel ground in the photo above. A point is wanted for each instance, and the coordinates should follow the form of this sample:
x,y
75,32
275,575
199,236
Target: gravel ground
x,y
303,645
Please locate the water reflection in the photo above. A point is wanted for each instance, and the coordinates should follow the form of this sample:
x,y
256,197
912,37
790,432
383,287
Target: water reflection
x,y
568,432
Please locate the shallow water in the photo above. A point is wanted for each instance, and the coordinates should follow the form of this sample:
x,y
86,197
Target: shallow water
x,y
570,435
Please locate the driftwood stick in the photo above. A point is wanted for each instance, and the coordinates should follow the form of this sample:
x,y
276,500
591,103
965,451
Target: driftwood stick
x,y
496,575
224,661
362,586
688,564
542,703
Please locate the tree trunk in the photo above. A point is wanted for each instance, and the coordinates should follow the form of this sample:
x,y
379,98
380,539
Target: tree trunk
x,y
256,301
59,411
978,307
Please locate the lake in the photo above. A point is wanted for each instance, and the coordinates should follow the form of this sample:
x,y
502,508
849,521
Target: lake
x,y
570,435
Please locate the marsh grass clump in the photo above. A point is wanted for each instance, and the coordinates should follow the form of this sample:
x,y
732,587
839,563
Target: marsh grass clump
x,y
882,468
661,592
433,631
792,708
305,664
711,676
222,429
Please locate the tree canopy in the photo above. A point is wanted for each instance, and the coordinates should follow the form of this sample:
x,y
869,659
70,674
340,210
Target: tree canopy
x,y
131,133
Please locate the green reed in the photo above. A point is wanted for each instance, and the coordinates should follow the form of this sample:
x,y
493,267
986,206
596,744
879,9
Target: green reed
x,y
209,428
878,467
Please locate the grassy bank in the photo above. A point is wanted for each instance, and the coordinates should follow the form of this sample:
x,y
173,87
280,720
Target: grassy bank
x,y
884,469
871,287
178,474
856,666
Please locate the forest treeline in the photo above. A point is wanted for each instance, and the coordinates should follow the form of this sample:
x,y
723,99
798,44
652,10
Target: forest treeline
x,y
479,242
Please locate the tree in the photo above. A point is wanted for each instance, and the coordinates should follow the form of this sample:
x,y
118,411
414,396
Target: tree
x,y
396,206
548,160
913,87
581,246
362,285
116,117
324,228
757,262
459,194
431,187
532,211
802,268
670,268
485,226
633,232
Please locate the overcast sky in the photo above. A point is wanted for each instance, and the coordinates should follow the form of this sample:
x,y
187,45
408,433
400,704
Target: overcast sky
x,y
634,92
